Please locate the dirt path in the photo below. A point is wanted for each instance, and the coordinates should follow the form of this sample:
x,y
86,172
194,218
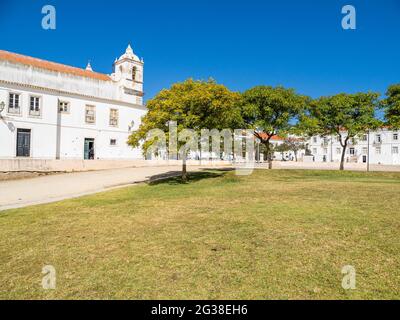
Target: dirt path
x,y
7,176
51,188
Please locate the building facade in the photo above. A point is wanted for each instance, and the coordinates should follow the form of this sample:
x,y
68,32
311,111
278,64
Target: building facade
x,y
54,111
381,147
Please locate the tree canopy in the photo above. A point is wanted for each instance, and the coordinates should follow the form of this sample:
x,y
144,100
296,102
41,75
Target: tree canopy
x,y
193,105
270,111
344,115
266,110
392,106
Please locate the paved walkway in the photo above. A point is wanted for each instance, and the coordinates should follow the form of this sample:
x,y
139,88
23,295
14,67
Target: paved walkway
x,y
21,193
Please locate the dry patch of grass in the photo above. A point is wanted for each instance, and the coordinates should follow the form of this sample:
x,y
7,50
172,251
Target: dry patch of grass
x,y
274,234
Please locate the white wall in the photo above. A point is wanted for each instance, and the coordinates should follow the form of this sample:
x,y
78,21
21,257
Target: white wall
x,y
69,130
73,127
118,91
332,150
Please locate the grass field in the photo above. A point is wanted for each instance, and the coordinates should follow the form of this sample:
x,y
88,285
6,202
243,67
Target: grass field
x,y
271,235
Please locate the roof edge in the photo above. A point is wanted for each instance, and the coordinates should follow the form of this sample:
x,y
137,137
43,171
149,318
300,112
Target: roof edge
x,y
52,66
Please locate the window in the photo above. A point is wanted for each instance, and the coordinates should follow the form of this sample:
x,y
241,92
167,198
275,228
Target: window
x,y
352,151
395,150
315,139
114,117
131,126
113,142
338,150
395,136
378,150
90,114
314,151
378,138
14,103
63,107
365,150
325,150
134,72
364,137
34,106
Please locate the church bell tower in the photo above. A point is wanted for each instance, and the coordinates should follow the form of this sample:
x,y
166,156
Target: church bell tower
x,y
128,72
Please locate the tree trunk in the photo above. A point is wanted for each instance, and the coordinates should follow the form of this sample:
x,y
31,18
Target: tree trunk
x,y
200,156
268,149
295,155
343,155
184,171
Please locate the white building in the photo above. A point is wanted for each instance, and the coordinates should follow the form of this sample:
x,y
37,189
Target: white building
x,y
275,142
54,111
382,147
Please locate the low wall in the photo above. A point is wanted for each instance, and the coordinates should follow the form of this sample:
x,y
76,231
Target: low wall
x,y
39,165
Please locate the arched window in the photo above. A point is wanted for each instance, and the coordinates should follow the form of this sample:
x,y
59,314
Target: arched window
x,y
134,71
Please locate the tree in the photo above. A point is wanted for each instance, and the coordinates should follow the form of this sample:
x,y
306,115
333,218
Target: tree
x,y
193,105
295,145
344,115
282,148
392,106
270,111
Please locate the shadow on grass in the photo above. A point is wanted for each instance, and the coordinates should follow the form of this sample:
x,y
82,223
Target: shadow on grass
x,y
174,177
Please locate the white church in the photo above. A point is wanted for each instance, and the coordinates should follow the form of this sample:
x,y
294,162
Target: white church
x,y
54,111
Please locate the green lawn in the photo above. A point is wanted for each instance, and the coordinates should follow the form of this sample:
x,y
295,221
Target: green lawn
x,y
271,235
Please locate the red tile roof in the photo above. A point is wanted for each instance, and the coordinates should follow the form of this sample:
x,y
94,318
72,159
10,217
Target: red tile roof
x,y
277,138
52,66
273,138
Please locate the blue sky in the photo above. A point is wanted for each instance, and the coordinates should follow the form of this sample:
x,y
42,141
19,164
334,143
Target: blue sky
x,y
294,43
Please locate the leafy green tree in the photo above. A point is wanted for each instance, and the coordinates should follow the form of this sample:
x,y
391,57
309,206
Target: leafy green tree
x,y
344,115
392,106
193,105
270,111
282,148
295,145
